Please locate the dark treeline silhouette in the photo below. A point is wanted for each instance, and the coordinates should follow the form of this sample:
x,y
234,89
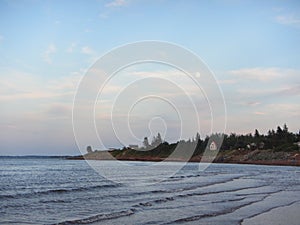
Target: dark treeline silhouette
x,y
279,144
279,140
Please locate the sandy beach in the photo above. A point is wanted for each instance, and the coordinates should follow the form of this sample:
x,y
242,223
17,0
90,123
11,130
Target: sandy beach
x,y
278,216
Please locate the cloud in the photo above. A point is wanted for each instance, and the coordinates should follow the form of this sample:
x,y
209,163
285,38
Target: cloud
x,y
49,52
290,90
116,3
268,116
270,92
285,110
260,113
269,95
87,50
91,53
159,74
168,82
263,74
111,6
36,109
227,81
288,20
1,38
72,47
59,110
112,89
17,86
252,103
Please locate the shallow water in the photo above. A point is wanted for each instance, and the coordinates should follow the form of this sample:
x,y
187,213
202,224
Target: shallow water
x,y
51,191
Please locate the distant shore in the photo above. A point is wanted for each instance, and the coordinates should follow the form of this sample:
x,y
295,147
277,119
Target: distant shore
x,y
257,157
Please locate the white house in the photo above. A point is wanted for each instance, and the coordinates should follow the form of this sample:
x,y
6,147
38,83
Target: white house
x,y
213,146
135,147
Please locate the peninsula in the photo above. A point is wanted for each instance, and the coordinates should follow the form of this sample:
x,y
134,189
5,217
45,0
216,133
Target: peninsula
x,y
279,147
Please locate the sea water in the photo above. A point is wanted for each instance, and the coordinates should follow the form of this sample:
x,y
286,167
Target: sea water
x,y
60,191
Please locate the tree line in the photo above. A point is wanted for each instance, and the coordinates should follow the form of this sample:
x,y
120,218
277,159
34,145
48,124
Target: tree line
x,y
280,139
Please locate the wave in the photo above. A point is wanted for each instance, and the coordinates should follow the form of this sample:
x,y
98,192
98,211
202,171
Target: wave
x,y
176,196
208,184
99,217
173,191
59,191
218,192
55,201
214,214
156,201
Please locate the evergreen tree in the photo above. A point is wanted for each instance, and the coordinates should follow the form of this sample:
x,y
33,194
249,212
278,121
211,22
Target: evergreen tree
x,y
256,134
89,149
197,138
156,141
146,142
159,139
285,128
279,131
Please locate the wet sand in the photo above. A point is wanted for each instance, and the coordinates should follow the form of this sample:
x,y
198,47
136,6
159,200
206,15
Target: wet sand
x,y
279,216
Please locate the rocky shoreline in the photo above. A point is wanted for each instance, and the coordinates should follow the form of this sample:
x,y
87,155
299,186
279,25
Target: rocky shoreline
x,y
258,157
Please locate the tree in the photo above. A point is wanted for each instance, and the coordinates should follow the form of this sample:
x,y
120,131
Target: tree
x,y
159,139
256,134
156,141
146,142
89,149
197,138
279,130
285,128
270,133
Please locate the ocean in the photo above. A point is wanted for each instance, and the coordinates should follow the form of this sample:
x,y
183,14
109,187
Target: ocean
x,y
60,191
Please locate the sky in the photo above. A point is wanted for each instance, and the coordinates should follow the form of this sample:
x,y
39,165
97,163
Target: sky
x,y
47,47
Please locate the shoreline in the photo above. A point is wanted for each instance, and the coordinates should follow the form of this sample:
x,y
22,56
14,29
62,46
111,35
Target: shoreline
x,y
193,160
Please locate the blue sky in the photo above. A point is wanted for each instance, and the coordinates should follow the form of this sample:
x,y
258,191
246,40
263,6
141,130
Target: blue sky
x,y
47,46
